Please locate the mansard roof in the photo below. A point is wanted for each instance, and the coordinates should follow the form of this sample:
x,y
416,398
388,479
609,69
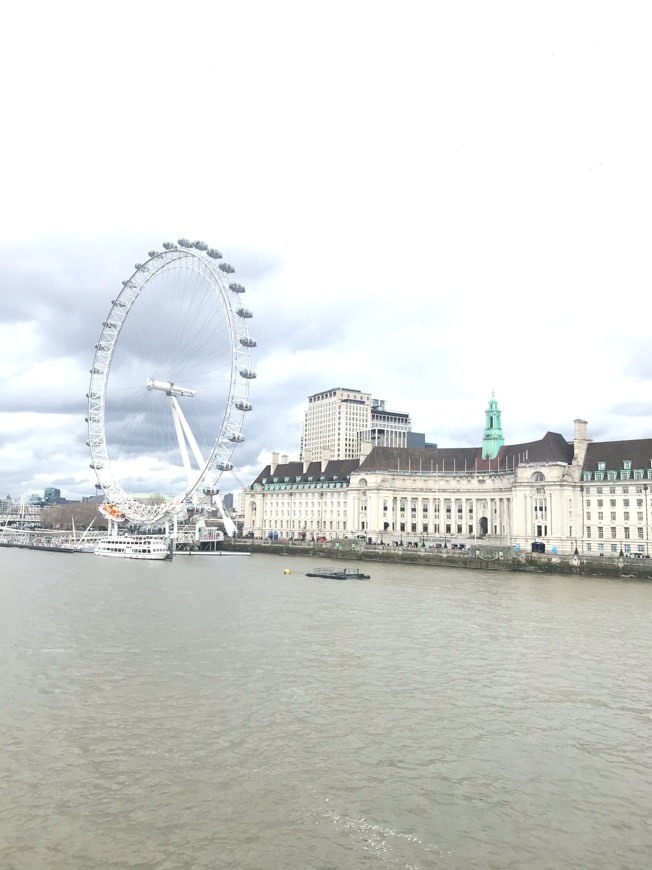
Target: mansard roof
x,y
553,447
615,453
336,469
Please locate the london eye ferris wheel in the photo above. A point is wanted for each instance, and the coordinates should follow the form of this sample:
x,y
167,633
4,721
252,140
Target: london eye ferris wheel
x,y
169,384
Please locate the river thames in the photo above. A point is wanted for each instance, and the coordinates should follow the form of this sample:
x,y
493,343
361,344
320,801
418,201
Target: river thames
x,y
218,713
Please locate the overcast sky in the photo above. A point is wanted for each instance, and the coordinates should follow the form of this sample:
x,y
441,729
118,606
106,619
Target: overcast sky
x,y
426,201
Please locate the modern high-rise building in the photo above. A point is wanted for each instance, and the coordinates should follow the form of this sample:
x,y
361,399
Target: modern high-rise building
x,y
332,421
338,421
388,428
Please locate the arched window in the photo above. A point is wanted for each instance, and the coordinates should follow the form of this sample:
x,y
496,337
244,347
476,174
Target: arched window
x,y
537,477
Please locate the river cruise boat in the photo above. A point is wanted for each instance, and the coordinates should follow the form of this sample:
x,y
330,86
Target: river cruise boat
x,y
135,547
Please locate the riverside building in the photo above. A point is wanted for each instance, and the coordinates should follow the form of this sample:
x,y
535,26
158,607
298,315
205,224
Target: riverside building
x,y
593,497
340,420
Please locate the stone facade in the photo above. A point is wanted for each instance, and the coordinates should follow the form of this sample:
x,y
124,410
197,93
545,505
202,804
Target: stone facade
x,y
542,491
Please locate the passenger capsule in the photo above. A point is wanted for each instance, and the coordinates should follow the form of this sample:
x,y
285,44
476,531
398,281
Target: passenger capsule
x,y
247,373
226,267
248,342
244,406
236,288
153,253
224,466
214,253
185,243
237,438
169,246
201,246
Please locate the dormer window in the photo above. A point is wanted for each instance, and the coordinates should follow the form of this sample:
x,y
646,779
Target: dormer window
x,y
627,464
602,466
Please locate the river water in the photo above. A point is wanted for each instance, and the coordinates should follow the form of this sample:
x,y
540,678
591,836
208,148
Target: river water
x,y
218,713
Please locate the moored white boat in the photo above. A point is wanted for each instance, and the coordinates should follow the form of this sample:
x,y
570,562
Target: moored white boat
x,y
135,547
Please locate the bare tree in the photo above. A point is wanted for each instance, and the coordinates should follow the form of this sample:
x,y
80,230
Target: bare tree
x,y
61,516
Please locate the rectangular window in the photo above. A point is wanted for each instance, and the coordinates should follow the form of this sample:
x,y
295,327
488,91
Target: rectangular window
x,y
626,516
611,475
613,531
588,516
600,516
614,548
600,502
600,532
588,548
640,533
626,530
612,516
588,532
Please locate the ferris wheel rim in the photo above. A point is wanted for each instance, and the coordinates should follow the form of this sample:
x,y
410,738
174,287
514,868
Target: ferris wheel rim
x,y
200,258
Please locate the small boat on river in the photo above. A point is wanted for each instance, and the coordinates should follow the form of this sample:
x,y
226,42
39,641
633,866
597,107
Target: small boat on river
x,y
338,574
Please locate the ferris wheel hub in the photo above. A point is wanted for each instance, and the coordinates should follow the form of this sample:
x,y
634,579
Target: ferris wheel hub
x,y
169,388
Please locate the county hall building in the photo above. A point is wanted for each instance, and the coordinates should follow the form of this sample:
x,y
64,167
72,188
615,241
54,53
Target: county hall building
x,y
366,475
